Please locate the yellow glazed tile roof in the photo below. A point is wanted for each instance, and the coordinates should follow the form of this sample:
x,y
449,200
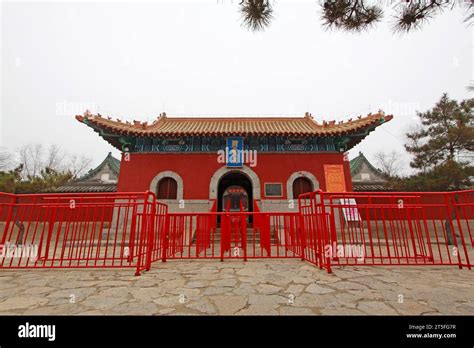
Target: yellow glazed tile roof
x,y
175,126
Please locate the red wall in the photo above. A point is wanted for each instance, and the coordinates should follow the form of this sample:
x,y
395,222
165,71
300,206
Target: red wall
x,y
196,170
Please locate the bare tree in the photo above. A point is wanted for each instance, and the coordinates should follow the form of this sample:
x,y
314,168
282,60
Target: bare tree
x,y
389,163
31,158
78,164
5,160
34,158
55,158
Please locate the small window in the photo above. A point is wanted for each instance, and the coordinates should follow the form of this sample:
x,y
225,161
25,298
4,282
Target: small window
x,y
167,188
273,190
301,185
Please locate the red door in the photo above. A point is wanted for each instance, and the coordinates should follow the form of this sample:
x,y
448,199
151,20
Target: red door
x,y
301,185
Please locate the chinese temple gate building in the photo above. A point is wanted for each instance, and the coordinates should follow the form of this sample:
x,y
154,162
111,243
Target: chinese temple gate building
x,y
190,162
365,177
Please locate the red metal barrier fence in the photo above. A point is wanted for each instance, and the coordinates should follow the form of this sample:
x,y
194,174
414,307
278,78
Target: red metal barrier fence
x,y
200,236
353,228
108,230
225,235
96,230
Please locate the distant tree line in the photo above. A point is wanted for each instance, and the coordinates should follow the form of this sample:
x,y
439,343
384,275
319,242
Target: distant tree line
x,y
34,168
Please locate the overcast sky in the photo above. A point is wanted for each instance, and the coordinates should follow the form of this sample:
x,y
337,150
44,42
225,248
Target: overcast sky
x,y
134,60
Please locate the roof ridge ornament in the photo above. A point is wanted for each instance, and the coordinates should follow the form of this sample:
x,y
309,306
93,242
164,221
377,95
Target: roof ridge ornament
x,y
382,115
309,116
161,117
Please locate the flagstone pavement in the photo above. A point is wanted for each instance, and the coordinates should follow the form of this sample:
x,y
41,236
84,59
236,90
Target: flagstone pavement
x,y
266,287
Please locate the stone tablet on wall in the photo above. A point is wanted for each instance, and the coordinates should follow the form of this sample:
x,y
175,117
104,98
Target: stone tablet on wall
x,y
273,190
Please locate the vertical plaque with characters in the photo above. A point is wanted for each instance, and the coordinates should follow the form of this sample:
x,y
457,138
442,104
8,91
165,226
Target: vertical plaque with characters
x,y
335,180
234,152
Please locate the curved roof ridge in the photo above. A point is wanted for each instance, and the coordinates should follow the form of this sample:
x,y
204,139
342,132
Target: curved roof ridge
x,y
215,125
110,160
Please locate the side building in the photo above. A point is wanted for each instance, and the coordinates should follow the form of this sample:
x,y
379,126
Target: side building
x,y
103,178
365,177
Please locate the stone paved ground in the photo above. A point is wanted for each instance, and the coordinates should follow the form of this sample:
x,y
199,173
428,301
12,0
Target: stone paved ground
x,y
256,287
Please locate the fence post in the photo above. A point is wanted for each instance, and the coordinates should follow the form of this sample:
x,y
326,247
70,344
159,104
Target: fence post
x,y
139,253
151,228
225,222
323,238
132,232
244,234
164,238
8,221
268,236
301,235
456,213
453,214
50,231
142,236
316,228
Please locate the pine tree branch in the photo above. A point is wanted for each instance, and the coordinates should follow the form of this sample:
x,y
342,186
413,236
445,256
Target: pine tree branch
x,y
256,14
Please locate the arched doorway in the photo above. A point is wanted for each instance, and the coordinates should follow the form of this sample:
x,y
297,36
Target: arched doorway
x,y
167,188
234,181
235,198
301,185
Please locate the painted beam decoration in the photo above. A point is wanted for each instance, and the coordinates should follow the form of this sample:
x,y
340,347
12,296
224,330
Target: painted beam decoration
x,y
213,144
